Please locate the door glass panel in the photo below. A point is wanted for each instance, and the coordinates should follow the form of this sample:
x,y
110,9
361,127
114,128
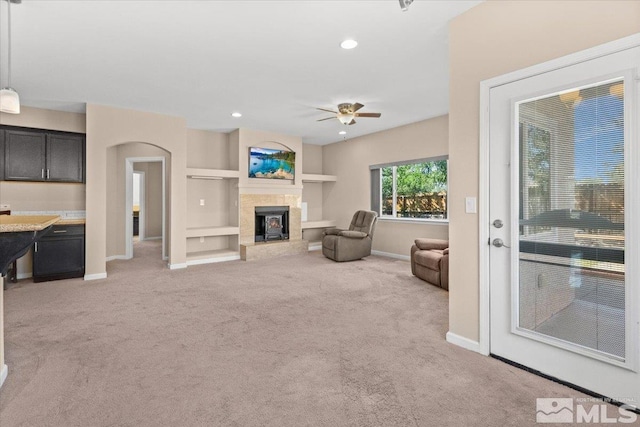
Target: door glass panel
x,y
571,205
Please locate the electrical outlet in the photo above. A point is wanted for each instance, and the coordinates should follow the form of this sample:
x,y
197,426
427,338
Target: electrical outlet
x,y
201,202
201,239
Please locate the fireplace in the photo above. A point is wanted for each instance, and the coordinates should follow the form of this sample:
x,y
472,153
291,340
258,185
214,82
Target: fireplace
x,y
272,223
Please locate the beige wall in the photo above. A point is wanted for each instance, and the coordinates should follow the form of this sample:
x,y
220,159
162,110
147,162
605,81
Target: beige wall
x,y
109,127
206,149
46,119
311,159
491,39
350,161
312,191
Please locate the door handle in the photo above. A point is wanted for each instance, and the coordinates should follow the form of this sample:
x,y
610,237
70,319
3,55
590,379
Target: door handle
x,y
47,173
499,243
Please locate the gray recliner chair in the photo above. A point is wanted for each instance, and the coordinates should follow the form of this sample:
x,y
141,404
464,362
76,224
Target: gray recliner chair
x,y
354,243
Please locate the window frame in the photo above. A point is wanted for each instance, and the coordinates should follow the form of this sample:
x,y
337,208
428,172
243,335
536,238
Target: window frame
x,y
377,196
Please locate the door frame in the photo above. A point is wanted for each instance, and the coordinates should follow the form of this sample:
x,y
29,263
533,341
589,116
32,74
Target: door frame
x,y
484,220
142,208
128,218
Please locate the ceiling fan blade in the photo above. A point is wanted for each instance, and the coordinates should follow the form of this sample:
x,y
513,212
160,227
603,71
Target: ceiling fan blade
x,y
352,122
368,114
356,107
328,111
328,118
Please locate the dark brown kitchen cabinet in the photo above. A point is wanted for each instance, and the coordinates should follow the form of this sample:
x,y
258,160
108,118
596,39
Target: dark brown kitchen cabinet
x,y
37,155
25,156
59,254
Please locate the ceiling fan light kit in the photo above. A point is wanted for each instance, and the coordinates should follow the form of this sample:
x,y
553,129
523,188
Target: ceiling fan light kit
x,y
345,119
404,4
9,98
347,113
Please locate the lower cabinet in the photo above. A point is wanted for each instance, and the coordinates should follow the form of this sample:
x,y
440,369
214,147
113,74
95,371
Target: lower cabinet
x,y
59,254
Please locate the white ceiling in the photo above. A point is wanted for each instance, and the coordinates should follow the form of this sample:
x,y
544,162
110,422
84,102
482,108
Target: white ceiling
x,y
274,61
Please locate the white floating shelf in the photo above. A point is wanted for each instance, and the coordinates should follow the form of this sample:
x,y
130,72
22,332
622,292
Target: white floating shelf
x,y
315,245
208,257
318,224
308,177
195,173
213,231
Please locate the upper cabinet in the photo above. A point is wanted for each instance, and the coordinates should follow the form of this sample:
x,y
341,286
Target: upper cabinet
x,y
35,155
65,158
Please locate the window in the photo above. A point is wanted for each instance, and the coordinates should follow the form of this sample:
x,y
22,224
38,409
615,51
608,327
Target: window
x,y
413,190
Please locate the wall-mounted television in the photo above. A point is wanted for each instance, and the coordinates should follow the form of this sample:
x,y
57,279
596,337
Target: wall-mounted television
x,y
271,164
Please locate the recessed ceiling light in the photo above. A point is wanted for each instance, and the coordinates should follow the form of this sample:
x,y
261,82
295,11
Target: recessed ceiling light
x,y
349,44
236,114
342,132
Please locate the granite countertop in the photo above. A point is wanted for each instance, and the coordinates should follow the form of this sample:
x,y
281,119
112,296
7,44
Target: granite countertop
x,y
71,221
19,223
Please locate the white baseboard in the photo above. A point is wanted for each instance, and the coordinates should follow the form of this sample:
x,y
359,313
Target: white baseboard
x,y
114,257
463,342
390,255
24,276
3,374
96,276
213,260
177,266
153,238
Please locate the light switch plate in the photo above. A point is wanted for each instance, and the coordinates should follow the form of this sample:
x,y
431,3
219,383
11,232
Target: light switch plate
x,y
201,202
470,205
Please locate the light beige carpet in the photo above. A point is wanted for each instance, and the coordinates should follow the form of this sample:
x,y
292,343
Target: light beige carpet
x,y
292,341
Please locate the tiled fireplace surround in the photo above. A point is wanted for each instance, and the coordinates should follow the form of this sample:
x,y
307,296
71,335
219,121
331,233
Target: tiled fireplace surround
x,y
249,249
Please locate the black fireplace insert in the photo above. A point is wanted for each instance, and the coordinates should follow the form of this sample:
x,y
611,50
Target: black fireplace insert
x,y
272,223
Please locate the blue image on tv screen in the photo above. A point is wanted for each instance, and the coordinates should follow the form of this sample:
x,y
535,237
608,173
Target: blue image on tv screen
x,y
271,164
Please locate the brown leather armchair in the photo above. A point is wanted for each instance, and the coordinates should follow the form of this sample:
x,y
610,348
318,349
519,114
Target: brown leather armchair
x,y
354,243
430,261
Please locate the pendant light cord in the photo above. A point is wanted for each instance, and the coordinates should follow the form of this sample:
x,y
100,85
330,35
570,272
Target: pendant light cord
x,y
9,46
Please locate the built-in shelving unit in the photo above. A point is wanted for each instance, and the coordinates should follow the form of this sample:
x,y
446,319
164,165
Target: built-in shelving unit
x,y
200,173
207,257
212,231
318,224
227,230
313,186
308,177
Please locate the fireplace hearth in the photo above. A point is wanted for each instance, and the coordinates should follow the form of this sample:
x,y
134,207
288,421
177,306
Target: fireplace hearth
x,y
272,223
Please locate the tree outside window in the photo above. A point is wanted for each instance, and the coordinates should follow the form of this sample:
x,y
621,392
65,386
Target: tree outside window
x,y
415,190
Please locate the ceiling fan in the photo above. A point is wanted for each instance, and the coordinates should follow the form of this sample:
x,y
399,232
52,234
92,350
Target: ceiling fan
x,y
347,113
